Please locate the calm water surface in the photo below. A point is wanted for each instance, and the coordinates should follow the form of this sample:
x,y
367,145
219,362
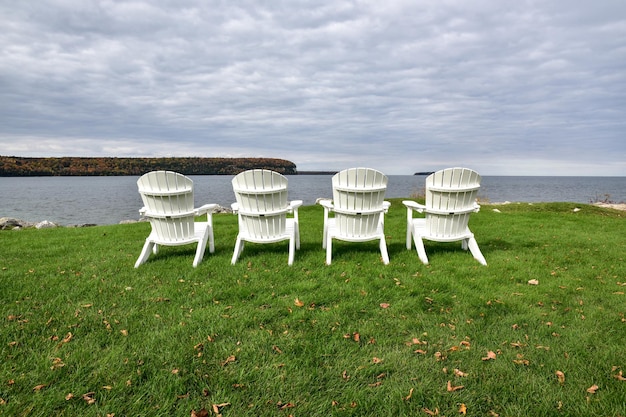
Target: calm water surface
x,y
109,200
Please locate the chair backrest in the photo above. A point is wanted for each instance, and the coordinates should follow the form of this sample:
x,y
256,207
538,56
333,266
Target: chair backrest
x,y
451,196
169,204
261,197
358,197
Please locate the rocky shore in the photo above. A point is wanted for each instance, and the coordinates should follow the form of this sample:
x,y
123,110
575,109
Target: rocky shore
x,y
10,223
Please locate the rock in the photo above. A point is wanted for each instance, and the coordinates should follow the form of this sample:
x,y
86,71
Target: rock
x,y
9,223
46,224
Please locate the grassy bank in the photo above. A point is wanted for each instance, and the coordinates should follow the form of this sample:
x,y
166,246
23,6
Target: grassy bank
x,y
83,333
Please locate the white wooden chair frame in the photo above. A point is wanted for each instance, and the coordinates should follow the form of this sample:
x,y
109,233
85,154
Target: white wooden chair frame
x,y
359,209
168,205
450,199
262,210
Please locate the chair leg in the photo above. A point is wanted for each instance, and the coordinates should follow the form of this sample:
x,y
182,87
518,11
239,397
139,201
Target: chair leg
x,y
383,250
211,239
329,249
473,247
421,250
292,249
409,231
297,231
201,247
145,252
237,251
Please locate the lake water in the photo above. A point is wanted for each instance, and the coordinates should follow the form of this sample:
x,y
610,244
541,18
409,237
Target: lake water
x,y
109,200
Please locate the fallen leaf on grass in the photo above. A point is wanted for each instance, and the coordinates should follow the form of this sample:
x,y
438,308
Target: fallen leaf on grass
x,y
533,282
408,397
452,388
298,303
459,373
561,377
200,413
592,389
420,351
619,376
491,355
39,387
376,360
69,396
228,360
431,413
384,305
89,398
218,407
463,409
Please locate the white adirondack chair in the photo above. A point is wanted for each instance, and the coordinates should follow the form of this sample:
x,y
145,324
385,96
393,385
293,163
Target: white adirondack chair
x,y
359,209
262,209
169,206
450,199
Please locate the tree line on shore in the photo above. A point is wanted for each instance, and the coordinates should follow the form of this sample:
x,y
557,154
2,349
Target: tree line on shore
x,y
12,166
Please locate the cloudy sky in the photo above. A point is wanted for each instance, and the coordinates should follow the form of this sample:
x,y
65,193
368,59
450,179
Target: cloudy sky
x,y
526,87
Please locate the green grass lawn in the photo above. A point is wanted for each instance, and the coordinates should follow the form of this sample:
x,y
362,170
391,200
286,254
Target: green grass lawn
x,y
83,333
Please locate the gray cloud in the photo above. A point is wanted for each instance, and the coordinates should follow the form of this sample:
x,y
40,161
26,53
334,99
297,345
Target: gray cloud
x,y
504,87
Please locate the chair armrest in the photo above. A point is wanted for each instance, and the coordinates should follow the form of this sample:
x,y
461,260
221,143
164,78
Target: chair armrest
x,y
207,208
386,205
326,203
414,206
234,207
142,211
295,204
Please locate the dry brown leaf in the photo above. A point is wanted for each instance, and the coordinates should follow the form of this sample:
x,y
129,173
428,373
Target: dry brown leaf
x,y
376,360
408,397
375,384
619,376
463,409
431,413
298,303
592,389
228,360
345,375
356,337
175,371
452,388
200,413
466,344
69,396
39,387
384,305
491,355
459,373
533,282
561,377
89,398
420,351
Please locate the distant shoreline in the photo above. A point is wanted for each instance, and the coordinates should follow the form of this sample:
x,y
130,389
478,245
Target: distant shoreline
x,y
13,166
